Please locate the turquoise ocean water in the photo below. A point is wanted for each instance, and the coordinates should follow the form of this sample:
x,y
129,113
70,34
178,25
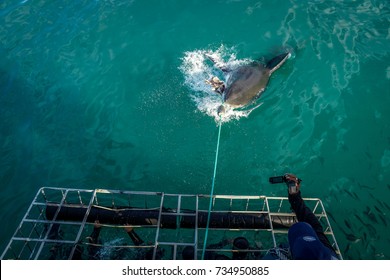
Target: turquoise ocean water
x,y
110,94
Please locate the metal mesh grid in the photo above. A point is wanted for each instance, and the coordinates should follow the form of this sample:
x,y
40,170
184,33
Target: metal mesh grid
x,y
38,237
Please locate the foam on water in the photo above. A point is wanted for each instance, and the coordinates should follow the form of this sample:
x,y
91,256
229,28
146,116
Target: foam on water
x,y
196,68
109,249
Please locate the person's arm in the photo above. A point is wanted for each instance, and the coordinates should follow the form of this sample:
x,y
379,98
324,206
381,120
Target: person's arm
x,y
133,235
94,236
93,240
304,213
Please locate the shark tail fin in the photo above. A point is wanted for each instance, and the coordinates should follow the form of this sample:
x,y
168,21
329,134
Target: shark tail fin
x,y
277,61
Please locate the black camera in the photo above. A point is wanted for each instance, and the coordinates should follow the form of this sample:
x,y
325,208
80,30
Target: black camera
x,y
278,179
283,179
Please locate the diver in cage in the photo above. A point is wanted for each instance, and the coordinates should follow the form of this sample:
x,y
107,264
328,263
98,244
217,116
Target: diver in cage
x,y
133,235
94,241
188,252
240,250
307,240
141,254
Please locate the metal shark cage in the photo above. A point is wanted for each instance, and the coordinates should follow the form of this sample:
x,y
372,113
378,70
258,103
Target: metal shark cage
x,y
59,221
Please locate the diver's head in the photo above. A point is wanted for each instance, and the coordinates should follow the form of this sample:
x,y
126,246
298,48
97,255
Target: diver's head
x,y
240,247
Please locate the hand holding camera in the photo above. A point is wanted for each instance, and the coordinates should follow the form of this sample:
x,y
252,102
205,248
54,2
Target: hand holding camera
x,y
293,182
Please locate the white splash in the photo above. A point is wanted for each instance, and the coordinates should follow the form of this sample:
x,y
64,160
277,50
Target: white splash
x,y
108,249
197,67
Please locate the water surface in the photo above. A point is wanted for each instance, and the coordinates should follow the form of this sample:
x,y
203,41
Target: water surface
x,y
99,94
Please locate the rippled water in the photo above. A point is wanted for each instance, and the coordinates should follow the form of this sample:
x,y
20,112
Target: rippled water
x,y
98,94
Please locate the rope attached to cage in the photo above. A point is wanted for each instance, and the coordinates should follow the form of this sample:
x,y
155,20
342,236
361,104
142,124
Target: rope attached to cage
x,y
212,188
